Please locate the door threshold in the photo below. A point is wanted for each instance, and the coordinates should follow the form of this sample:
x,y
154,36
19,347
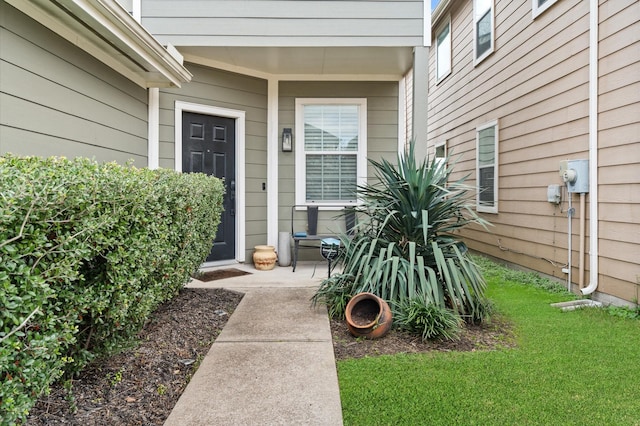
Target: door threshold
x,y
216,263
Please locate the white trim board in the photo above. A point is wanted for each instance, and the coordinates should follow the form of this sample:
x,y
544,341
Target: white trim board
x,y
153,143
273,142
212,63
240,119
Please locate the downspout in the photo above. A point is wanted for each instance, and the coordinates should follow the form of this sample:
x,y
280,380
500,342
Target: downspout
x,y
593,148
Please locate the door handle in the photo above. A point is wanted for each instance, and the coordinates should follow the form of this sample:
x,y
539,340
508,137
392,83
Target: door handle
x,y
232,197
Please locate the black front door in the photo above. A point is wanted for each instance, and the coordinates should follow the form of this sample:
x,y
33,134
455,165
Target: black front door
x,y
208,146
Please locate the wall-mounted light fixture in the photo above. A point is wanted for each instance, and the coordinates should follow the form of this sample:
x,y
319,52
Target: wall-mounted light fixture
x,y
287,139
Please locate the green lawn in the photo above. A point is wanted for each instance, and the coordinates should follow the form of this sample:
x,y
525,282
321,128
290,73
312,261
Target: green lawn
x,y
569,368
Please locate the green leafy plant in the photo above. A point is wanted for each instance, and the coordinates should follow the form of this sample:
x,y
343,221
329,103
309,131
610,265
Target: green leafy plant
x,y
419,316
624,312
69,396
161,389
115,378
87,252
405,243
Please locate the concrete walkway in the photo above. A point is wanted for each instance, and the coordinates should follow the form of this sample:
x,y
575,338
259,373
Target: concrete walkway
x,y
273,363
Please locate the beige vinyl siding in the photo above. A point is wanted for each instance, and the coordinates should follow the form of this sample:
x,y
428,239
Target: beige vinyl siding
x,y
285,22
536,84
57,100
619,153
238,92
382,137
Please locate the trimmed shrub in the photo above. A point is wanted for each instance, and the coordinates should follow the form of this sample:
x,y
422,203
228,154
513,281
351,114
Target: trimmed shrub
x,y
87,252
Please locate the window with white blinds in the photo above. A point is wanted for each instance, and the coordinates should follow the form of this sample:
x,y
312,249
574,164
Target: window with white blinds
x,y
330,150
487,167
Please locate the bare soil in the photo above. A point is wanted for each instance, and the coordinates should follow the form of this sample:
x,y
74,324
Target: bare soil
x,y
141,385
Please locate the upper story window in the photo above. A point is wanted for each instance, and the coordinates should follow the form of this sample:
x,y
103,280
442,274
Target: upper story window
x,y
487,167
331,147
540,6
443,51
483,29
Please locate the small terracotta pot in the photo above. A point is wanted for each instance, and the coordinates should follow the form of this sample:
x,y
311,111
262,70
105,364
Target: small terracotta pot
x,y
368,316
264,258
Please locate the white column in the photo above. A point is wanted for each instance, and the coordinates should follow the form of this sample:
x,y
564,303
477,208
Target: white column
x,y
402,114
273,145
153,143
420,92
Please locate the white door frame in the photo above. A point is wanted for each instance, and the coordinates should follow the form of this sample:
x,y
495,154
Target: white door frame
x,y
239,117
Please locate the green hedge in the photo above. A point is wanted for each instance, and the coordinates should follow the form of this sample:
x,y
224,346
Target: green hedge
x,y
87,252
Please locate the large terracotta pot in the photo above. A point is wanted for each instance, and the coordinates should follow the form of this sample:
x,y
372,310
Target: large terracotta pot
x,y
368,316
264,258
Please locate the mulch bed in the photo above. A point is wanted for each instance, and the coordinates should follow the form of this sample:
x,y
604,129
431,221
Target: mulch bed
x,y
141,385
492,335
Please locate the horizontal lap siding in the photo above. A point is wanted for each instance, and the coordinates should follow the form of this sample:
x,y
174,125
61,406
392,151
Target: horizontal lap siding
x,y
57,100
536,84
382,135
233,91
127,5
285,22
619,154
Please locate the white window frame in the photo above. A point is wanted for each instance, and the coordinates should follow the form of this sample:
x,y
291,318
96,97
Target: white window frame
x,y
537,8
477,14
442,144
446,24
300,154
479,207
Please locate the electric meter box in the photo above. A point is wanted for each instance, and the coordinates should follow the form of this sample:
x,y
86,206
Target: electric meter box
x,y
581,182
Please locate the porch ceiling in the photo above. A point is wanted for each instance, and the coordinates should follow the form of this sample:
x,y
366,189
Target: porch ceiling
x,y
392,62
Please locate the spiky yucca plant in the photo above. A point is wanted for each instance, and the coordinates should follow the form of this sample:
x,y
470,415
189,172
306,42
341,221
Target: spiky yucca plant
x,y
405,244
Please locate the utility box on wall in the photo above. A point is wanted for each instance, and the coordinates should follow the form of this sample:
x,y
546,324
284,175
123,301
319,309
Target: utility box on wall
x,y
554,194
575,173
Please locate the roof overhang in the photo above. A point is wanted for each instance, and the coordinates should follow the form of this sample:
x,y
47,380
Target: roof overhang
x,y
105,30
439,11
335,62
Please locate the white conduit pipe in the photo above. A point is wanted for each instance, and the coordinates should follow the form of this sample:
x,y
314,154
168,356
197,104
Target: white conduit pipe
x,y
570,233
582,223
593,148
